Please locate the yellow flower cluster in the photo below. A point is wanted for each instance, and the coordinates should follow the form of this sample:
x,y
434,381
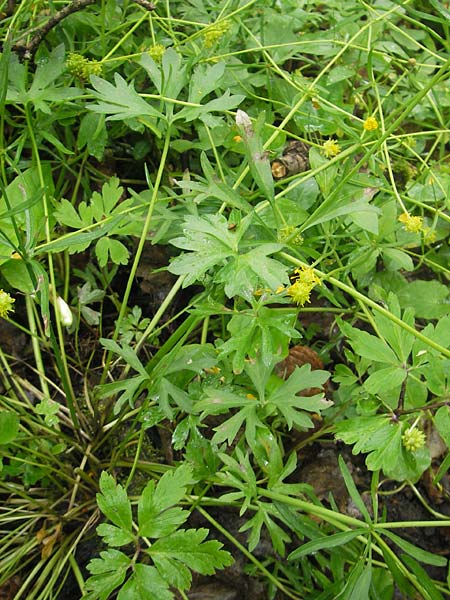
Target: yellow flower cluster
x,y
413,224
213,34
413,439
330,148
370,124
156,52
290,233
305,281
82,67
6,304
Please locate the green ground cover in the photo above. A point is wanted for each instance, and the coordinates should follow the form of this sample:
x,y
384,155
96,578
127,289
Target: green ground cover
x,y
224,306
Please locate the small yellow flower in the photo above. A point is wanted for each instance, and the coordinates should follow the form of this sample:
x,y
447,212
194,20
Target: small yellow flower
x,y
299,292
237,138
307,276
370,124
82,67
156,52
330,148
413,439
213,34
413,224
6,304
290,232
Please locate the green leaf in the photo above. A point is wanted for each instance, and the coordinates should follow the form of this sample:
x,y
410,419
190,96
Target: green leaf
x,y
418,553
441,421
369,346
352,490
107,248
121,102
205,80
169,77
326,542
155,515
429,299
218,401
67,215
290,405
210,242
114,536
401,581
425,584
384,380
396,259
189,548
144,579
253,270
229,429
225,102
114,503
9,426
44,88
263,332
129,386
400,340
108,573
127,353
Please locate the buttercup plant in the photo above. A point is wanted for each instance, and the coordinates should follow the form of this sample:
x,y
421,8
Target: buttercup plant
x,y
218,377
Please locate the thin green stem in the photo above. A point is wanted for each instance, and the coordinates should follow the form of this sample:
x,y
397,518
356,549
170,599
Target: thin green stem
x,y
140,248
275,581
368,302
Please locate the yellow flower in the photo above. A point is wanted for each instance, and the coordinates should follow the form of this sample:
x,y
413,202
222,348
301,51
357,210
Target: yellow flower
x,y
299,292
413,224
6,304
370,124
330,148
413,439
307,276
82,67
213,34
156,52
290,233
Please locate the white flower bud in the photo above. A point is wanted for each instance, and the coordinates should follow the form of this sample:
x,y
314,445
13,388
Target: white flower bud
x,y
64,312
242,119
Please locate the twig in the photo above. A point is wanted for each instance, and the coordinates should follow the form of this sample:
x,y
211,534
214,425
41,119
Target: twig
x,y
27,51
146,4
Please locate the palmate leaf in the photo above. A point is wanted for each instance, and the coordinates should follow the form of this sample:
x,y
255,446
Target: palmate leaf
x,y
189,548
121,102
295,408
43,89
210,242
247,272
263,331
381,438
